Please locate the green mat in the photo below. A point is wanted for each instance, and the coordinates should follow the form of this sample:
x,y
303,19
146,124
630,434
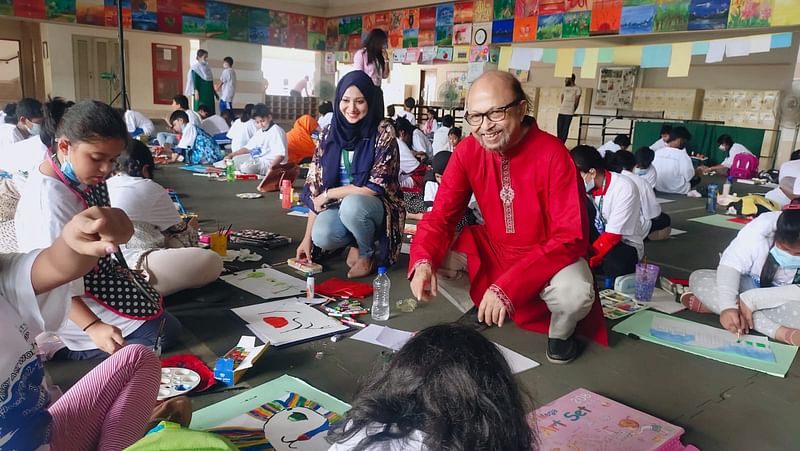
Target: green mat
x,y
222,411
719,221
639,325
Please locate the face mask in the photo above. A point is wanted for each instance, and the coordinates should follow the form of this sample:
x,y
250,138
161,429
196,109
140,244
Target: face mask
x,y
35,129
68,170
722,148
225,65
203,62
784,259
639,171
589,184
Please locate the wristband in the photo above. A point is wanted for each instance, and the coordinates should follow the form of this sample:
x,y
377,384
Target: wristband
x,y
91,324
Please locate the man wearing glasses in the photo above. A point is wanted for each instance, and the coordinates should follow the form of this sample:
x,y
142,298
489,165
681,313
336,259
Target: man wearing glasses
x,y
527,261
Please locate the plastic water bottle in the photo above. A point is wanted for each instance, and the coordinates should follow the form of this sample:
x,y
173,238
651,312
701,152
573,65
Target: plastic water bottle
x,y
310,286
726,187
380,296
711,202
229,171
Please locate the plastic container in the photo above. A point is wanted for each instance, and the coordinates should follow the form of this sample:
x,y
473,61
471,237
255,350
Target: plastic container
x,y
230,172
310,285
380,297
646,278
286,194
711,202
726,187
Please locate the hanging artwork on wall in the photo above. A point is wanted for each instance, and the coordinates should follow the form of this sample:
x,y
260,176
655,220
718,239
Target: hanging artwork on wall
x,y
239,24
637,19
298,34
525,29
258,29
462,34
217,20
64,10
671,15
749,13
279,28
410,38
708,14
502,31
605,17
576,24
411,19
551,7
91,12
481,33
143,14
316,24
482,11
34,9
615,87
193,14
111,11
331,34
462,12
169,16
577,5
504,9
549,27
526,8
290,422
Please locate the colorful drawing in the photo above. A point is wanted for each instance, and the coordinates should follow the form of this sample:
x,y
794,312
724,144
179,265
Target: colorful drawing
x,y
315,41
258,29
462,34
577,5
547,7
217,18
549,27
479,54
526,8
194,17
638,2
410,18
463,12
502,31
427,18
461,54
91,12
297,34
444,16
170,19
749,13
288,423
427,37
112,13
34,9
504,9
144,15
396,20
6,8
368,22
694,334
331,34
382,20
576,24
605,17
525,29
279,28
444,54
316,24
482,11
708,14
444,35
64,10
287,322
637,19
410,38
671,15
481,33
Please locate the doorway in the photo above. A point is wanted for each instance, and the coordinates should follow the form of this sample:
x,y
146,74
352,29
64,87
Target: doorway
x,y
10,75
429,77
96,69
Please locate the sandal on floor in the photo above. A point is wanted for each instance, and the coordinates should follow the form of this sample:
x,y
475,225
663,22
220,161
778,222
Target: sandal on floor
x,y
690,301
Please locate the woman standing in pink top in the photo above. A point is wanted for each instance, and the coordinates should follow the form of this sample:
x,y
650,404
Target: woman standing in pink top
x,y
374,61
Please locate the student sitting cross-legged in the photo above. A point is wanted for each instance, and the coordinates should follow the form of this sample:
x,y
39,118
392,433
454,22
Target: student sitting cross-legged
x,y
266,149
755,286
614,215
196,145
676,174
448,388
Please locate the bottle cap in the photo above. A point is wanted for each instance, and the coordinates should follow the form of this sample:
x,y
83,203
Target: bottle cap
x,y
381,270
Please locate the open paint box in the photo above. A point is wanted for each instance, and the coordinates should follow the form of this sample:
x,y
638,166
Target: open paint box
x,y
177,381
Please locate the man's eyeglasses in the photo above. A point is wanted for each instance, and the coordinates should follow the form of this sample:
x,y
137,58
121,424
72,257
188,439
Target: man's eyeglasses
x,y
495,115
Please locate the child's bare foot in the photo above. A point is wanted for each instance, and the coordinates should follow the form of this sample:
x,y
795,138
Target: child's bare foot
x,y
691,302
352,257
362,268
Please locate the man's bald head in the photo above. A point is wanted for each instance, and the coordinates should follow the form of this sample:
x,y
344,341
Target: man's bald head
x,y
499,85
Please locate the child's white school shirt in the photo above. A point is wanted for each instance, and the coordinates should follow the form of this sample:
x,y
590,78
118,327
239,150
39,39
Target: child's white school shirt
x,y
610,146
675,169
650,207
135,119
660,144
45,206
269,144
214,125
736,149
621,210
143,200
24,421
9,134
241,132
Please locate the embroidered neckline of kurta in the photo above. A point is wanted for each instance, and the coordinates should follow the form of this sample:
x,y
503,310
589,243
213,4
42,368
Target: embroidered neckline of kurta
x,y
507,194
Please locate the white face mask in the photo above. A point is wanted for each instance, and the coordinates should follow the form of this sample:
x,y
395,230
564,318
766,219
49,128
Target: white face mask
x,y
589,184
639,171
722,148
226,65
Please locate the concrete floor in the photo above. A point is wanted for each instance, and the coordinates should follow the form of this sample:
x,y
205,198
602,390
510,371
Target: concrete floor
x,y
722,407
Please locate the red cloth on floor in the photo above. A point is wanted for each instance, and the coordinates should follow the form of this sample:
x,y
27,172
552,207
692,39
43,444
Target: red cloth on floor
x,y
192,362
336,287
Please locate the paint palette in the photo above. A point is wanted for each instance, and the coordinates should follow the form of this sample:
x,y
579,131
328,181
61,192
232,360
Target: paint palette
x,y
177,381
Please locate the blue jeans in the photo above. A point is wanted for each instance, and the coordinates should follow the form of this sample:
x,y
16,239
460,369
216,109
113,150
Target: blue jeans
x,y
356,220
167,138
223,105
145,335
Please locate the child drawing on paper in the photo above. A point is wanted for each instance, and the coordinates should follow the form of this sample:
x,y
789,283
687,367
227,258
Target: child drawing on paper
x,y
290,423
286,321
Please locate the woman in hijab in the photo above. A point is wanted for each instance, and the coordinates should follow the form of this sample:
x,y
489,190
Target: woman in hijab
x,y
300,144
352,187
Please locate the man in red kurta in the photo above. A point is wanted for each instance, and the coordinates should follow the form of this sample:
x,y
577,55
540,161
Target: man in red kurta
x,y
527,260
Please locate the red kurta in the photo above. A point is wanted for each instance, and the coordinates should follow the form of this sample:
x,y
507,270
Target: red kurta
x,y
541,228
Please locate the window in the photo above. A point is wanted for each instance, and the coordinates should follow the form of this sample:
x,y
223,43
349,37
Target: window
x,y
167,73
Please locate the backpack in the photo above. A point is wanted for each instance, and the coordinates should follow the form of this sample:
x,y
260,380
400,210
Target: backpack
x,y
745,166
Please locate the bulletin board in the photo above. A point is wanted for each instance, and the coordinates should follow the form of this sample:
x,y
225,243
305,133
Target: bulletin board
x,y
615,87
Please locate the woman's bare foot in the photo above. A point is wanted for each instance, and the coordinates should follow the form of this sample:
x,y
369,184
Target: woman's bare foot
x,y
177,410
692,302
362,268
788,335
352,257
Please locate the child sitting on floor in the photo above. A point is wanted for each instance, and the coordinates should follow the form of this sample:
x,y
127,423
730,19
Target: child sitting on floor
x,y
620,142
755,286
644,166
243,128
196,145
662,142
139,125
110,406
267,149
447,388
432,180
213,124
614,210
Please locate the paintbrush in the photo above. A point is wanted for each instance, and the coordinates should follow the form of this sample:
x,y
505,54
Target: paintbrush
x,y
121,260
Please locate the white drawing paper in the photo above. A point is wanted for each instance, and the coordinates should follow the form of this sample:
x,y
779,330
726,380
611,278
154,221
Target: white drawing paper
x,y
700,335
266,282
287,321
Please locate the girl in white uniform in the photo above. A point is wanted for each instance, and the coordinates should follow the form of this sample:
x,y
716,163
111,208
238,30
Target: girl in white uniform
x,y
242,128
614,214
755,285
655,223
